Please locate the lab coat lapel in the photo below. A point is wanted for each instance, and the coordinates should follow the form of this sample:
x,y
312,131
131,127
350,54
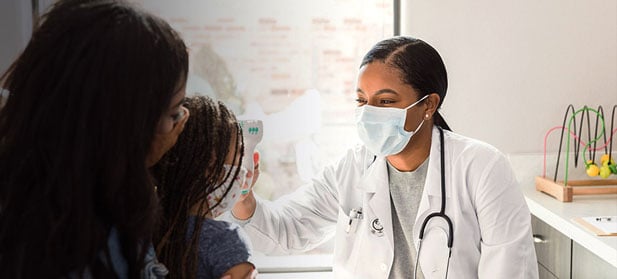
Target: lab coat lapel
x,y
432,186
378,197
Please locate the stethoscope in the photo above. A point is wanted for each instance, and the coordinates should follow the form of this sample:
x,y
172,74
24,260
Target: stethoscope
x,y
377,228
440,214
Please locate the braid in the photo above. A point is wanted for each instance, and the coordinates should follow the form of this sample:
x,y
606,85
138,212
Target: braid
x,y
190,171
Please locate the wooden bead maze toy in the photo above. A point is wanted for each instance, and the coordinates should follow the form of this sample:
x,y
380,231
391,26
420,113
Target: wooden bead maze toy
x,y
601,177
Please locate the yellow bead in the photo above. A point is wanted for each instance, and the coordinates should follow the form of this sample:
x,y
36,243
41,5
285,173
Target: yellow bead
x,y
605,171
604,158
593,170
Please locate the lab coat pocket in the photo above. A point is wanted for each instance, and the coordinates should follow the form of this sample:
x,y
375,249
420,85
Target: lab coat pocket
x,y
347,240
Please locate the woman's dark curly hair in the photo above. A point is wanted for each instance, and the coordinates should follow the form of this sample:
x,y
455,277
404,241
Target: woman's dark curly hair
x,y
86,96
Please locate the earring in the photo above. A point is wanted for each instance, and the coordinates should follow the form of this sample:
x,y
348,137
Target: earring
x,y
426,116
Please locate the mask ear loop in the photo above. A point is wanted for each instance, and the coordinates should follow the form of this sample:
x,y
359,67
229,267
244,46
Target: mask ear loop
x,y
418,101
426,115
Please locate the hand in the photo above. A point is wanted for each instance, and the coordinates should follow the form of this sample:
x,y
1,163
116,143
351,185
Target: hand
x,y
254,173
237,273
163,142
246,204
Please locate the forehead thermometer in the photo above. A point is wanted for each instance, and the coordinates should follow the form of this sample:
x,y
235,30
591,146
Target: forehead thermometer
x,y
252,131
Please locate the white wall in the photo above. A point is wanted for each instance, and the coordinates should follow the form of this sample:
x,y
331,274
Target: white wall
x,y
15,29
514,66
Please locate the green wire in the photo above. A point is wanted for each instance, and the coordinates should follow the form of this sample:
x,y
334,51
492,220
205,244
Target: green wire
x,y
588,145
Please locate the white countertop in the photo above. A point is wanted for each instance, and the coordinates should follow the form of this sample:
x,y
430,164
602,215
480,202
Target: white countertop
x,y
560,214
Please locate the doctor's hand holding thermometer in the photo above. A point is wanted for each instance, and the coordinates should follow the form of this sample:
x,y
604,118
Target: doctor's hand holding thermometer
x,y
415,200
245,206
252,131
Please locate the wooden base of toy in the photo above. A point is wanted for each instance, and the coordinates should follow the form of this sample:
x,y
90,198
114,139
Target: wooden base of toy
x,y
565,193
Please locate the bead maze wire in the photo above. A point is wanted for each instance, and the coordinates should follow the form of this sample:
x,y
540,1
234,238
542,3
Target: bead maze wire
x,y
582,143
571,128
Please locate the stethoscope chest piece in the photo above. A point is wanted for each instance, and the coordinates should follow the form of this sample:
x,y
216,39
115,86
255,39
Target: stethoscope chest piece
x,y
376,227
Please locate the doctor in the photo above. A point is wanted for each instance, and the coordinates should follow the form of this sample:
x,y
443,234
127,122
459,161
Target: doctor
x,y
411,170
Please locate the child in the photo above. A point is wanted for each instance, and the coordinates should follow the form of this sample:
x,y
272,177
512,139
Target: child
x,y
198,179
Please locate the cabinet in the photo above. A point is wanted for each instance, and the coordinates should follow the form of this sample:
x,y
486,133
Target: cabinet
x,y
587,265
560,257
553,249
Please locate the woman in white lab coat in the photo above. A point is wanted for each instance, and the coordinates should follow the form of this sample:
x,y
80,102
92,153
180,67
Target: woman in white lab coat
x,y
376,197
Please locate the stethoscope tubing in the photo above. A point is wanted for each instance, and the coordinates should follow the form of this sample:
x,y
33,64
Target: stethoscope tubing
x,y
441,213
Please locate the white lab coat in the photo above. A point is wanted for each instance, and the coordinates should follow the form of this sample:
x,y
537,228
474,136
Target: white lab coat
x,y
492,230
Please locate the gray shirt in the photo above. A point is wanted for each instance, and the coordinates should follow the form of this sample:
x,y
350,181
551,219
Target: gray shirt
x,y
405,193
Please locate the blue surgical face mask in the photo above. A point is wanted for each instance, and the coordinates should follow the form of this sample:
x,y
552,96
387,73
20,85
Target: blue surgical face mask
x,y
382,129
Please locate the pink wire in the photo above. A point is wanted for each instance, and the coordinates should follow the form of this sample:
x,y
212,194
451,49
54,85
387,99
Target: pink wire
x,y
576,138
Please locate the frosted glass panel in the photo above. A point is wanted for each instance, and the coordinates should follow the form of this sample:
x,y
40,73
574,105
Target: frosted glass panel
x,y
291,64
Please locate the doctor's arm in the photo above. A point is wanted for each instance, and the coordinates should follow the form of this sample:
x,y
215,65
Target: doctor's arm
x,y
507,249
294,223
